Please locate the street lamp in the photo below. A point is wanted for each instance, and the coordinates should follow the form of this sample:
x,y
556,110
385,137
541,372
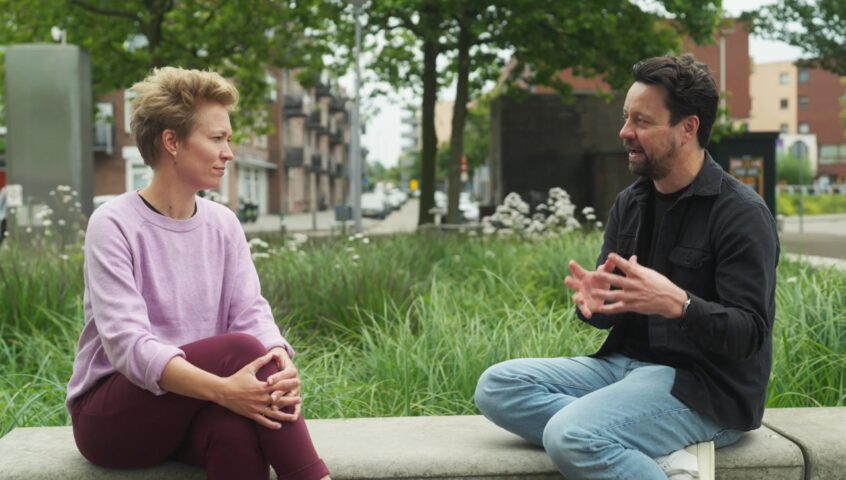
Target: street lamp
x,y
355,126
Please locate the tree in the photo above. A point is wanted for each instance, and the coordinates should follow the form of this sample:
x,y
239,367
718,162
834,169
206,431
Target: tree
x,y
788,167
818,28
407,37
237,38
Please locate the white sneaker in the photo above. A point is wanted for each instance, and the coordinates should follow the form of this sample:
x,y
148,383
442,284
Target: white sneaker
x,y
692,463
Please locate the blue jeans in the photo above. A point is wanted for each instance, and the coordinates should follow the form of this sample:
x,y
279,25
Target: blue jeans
x,y
597,418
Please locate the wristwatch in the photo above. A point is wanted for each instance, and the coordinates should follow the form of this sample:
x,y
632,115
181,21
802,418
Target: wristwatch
x,y
685,305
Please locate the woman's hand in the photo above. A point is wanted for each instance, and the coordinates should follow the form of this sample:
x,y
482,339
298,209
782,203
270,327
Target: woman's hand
x,y
285,398
248,396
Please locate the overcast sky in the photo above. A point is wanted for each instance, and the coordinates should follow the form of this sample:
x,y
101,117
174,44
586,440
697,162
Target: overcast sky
x,y
384,130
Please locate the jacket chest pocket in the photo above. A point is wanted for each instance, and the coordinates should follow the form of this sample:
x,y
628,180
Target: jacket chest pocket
x,y
693,270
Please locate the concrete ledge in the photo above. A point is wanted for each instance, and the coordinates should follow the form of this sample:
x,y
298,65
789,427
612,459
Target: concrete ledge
x,y
820,433
409,448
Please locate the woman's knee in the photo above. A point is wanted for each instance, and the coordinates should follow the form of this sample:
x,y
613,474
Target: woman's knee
x,y
224,354
243,344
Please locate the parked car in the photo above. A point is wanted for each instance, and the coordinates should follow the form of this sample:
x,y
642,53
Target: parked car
x,y
374,205
468,207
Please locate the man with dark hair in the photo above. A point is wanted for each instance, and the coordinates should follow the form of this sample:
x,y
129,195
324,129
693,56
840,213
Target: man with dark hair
x,y
685,281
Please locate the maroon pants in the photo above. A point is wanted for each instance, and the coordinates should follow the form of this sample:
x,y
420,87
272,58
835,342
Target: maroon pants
x,y
117,424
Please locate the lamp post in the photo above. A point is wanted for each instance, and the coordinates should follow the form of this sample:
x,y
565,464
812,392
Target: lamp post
x,y
355,126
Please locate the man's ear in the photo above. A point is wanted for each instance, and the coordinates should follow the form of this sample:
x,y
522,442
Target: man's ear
x,y
170,141
690,128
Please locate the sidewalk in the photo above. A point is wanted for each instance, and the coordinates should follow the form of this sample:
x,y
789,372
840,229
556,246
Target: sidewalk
x,y
400,221
823,236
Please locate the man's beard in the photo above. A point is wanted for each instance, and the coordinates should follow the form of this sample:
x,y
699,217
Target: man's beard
x,y
653,167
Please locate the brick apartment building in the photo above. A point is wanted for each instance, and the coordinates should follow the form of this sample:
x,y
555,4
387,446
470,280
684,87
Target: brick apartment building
x,y
301,165
805,105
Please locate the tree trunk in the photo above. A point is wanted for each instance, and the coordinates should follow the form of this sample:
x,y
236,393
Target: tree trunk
x,y
459,118
430,141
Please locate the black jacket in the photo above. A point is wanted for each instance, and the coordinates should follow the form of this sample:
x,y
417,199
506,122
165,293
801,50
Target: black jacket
x,y
718,242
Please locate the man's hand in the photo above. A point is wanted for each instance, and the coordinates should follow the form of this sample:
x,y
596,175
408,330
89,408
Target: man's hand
x,y
640,290
588,286
286,387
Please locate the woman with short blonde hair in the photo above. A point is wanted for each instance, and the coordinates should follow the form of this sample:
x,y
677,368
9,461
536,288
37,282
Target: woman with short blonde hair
x,y
180,357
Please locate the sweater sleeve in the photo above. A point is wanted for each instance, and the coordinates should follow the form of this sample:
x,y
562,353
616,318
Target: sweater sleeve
x,y
119,310
249,311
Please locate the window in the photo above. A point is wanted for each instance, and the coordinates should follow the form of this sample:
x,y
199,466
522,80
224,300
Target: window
x,y
832,154
784,104
784,128
799,150
128,96
803,103
804,76
103,130
804,127
784,78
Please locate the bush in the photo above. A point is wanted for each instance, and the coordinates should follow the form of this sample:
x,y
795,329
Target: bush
x,y
788,204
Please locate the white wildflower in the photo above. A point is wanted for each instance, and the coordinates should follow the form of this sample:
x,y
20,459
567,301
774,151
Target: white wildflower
x,y
792,279
365,240
64,257
47,222
598,224
28,230
257,243
350,250
299,238
259,255
61,222
356,258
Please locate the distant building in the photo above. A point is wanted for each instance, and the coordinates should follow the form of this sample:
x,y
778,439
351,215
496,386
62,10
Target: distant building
x,y
542,142
301,165
803,101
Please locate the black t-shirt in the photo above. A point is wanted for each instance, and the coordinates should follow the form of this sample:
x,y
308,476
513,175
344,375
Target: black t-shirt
x,y
637,333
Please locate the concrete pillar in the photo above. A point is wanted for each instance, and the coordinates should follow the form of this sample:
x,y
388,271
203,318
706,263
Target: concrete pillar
x,y
49,119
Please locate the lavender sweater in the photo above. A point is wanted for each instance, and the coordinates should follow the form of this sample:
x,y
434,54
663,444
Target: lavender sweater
x,y
153,283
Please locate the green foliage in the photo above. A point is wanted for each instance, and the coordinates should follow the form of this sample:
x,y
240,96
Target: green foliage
x,y
403,325
788,168
406,37
788,204
237,38
817,27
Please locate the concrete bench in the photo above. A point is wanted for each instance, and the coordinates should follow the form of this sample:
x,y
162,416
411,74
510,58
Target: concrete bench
x,y
794,444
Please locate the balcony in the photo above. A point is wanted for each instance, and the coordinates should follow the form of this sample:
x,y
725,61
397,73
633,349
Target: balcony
x,y
337,105
292,106
316,162
314,119
322,90
336,138
294,157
